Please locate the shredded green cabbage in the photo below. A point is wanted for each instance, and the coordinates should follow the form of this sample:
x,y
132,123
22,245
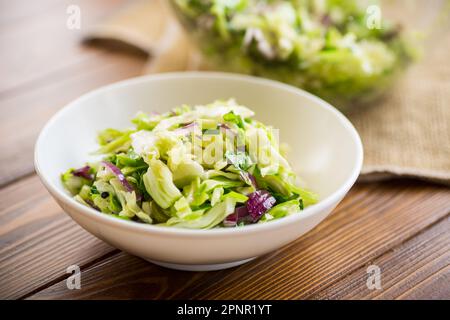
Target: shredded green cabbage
x,y
170,170
328,47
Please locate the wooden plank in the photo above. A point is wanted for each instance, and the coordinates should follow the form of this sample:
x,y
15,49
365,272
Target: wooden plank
x,y
32,89
371,221
416,269
28,44
24,115
434,288
37,240
129,278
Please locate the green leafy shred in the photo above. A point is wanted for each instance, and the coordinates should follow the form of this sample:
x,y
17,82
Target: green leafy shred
x,y
336,49
153,174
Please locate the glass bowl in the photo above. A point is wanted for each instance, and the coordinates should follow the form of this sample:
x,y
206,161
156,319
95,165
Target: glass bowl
x,y
343,82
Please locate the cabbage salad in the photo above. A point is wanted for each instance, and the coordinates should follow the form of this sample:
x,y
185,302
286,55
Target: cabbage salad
x,y
344,51
194,167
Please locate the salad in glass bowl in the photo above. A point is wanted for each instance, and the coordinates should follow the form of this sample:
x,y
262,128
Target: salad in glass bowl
x,y
193,167
341,50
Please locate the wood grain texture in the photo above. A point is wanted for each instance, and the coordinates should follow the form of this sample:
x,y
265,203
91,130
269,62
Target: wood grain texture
x,y
29,35
37,240
417,269
370,224
32,89
400,226
25,114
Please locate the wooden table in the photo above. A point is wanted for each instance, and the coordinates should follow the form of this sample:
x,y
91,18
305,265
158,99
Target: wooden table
x,y
400,226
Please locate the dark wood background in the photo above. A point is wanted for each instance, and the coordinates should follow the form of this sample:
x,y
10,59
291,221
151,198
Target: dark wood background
x,y
402,226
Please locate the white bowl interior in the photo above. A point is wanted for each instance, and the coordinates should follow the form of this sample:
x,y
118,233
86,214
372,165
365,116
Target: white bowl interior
x,y
325,149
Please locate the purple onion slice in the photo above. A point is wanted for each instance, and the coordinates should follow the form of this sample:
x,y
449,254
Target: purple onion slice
x,y
90,203
227,130
258,203
248,178
83,173
186,129
120,176
230,220
239,215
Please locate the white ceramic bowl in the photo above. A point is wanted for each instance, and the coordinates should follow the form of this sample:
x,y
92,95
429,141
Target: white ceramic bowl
x,y
326,152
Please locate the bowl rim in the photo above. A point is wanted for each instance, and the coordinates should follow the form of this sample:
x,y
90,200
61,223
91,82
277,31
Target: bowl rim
x,y
91,213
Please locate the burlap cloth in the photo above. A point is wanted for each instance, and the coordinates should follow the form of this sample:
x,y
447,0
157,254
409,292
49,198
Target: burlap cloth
x,y
407,133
